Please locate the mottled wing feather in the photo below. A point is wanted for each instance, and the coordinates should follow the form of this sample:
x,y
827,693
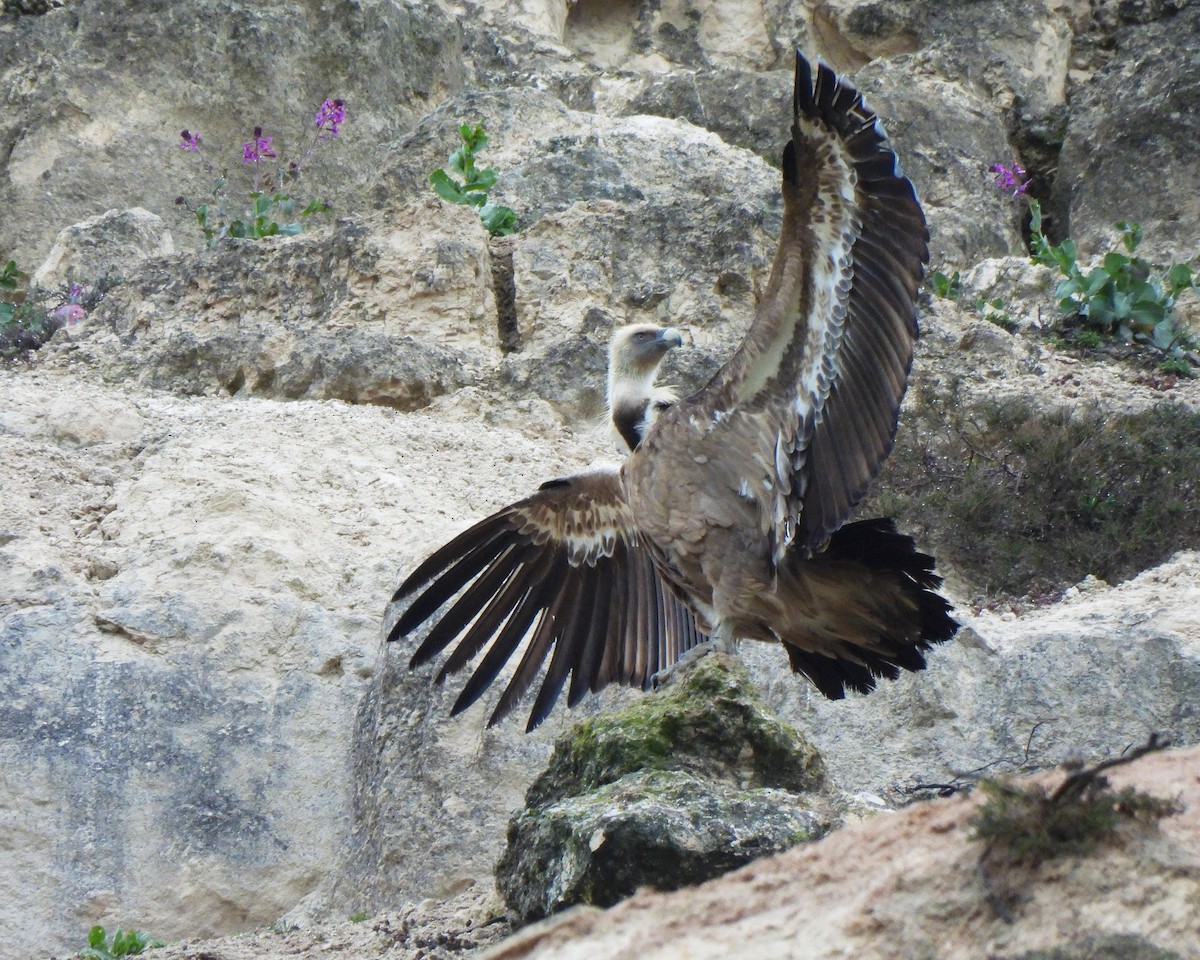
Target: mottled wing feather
x,y
857,424
562,572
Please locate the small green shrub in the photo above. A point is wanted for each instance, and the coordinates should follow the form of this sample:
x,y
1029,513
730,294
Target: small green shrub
x,y
124,943
1022,500
359,916
993,312
10,275
1177,366
9,279
26,326
1029,828
1032,824
473,186
1122,295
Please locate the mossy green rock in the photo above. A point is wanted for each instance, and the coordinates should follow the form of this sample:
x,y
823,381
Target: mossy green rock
x,y
681,787
711,723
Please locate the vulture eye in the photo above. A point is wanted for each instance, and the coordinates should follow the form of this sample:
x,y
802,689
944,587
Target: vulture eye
x,y
642,336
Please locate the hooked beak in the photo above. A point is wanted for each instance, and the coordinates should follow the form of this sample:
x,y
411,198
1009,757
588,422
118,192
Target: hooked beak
x,y
670,337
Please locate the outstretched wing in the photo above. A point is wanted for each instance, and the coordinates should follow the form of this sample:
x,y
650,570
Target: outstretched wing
x,y
565,570
857,425
811,398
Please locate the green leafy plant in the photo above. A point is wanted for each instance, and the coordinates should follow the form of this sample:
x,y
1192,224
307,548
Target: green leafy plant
x,y
24,327
993,312
1122,295
124,943
474,183
10,276
24,324
946,287
1177,366
359,916
272,210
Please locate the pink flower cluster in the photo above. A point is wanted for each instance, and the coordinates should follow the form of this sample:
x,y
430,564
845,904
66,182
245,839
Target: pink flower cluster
x,y
330,118
69,314
1010,178
258,149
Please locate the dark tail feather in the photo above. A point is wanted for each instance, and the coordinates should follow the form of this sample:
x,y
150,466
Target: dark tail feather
x,y
876,545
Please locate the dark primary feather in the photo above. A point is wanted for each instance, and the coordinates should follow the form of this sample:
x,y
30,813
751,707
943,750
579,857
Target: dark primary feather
x,y
562,571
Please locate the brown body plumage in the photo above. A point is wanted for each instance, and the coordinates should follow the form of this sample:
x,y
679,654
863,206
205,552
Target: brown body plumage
x,y
729,518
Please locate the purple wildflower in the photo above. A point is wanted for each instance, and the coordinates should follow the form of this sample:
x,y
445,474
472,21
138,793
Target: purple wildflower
x,y
1010,178
75,292
190,141
69,314
330,118
258,149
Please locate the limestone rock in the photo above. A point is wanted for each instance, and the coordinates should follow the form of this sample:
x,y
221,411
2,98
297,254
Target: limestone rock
x,y
651,36
924,105
1028,54
113,241
742,107
661,829
932,113
382,313
172,701
191,592
1026,288
1136,123
670,791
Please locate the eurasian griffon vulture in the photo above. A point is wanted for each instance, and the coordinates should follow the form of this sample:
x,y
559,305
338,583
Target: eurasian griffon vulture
x,y
729,518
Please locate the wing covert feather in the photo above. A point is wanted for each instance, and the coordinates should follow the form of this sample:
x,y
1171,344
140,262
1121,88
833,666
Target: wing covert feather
x,y
813,391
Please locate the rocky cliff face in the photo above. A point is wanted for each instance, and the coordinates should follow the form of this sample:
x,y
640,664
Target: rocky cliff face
x,y
213,481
